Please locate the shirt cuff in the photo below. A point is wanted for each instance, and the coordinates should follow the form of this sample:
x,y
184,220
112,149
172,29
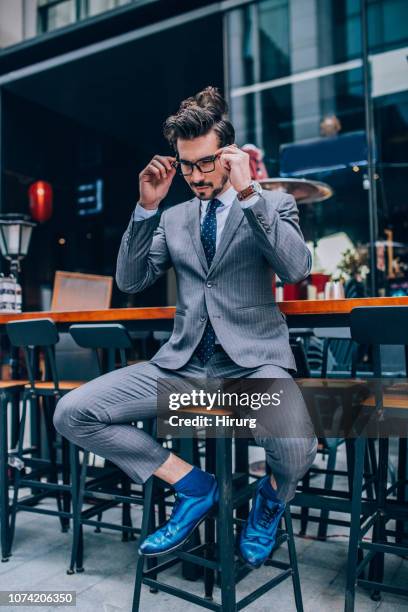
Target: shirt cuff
x,y
141,213
250,201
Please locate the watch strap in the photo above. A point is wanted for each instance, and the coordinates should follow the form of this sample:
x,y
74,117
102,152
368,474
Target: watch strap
x,y
245,193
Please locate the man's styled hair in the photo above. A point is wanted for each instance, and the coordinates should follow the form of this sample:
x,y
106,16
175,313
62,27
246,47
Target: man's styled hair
x,y
199,114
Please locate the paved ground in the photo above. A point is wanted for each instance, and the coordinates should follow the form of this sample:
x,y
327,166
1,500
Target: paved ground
x,y
41,554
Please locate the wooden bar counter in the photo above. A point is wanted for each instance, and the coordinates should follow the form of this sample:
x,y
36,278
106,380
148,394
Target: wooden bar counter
x,y
299,313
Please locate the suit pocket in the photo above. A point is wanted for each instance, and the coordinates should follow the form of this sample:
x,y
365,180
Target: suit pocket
x,y
264,305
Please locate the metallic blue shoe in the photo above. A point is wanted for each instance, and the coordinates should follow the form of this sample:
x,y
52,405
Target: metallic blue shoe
x,y
258,537
188,512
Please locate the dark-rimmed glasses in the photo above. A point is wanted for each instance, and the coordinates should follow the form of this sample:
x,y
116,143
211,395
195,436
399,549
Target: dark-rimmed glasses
x,y
204,165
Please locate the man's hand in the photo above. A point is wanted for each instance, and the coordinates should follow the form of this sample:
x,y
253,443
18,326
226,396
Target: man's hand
x,y
155,181
236,162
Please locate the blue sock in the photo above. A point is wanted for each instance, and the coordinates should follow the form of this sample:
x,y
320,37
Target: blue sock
x,y
269,491
195,483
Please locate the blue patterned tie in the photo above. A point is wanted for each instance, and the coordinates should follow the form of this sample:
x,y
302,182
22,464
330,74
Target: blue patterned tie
x,y
206,345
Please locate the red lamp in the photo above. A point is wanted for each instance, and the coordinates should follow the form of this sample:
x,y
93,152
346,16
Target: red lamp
x,y
40,195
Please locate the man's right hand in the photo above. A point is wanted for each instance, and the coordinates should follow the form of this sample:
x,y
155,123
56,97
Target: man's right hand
x,y
155,181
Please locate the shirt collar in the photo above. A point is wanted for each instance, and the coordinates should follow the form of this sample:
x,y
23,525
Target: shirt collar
x,y
225,198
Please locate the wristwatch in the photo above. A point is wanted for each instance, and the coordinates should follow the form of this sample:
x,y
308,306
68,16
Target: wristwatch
x,y
253,188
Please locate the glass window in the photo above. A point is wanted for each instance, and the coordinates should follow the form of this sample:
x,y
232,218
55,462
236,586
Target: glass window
x,y
53,14
59,15
99,6
295,70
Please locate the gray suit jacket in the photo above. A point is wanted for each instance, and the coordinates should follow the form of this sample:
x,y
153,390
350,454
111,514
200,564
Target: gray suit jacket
x,y
236,291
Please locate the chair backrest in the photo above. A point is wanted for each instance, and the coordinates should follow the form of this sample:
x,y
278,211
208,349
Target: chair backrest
x,y
110,337
74,362
338,333
76,291
299,353
338,344
161,336
140,338
33,334
379,325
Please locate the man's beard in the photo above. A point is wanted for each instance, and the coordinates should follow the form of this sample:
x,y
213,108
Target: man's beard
x,y
213,194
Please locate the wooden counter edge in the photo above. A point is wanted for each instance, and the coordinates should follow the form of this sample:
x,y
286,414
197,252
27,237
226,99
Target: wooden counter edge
x,y
293,307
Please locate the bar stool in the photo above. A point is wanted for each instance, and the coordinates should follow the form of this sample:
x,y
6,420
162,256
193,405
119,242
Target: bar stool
x,y
33,335
375,326
218,556
141,338
10,393
340,391
337,342
106,488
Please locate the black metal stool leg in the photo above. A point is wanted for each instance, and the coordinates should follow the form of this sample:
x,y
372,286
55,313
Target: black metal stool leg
x,y
74,465
371,445
4,496
161,507
209,527
304,513
241,450
17,472
370,491
77,512
209,574
376,572
357,483
188,452
225,528
50,435
66,498
402,526
15,421
147,507
126,518
297,591
99,519
328,485
152,561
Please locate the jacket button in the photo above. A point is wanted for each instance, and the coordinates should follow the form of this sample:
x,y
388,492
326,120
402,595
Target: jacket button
x,y
202,318
209,284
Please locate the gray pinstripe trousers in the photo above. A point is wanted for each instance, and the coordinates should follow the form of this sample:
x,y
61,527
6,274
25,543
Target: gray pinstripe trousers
x,y
98,416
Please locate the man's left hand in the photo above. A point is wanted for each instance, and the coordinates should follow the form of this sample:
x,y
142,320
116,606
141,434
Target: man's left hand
x,y
236,162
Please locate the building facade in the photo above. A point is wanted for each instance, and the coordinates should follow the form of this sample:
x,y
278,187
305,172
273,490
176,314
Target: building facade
x,y
86,84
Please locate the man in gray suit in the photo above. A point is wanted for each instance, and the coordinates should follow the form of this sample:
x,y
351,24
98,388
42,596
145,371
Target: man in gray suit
x,y
225,244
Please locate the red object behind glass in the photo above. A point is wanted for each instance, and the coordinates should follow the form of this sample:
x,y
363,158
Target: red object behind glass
x,y
319,280
40,196
257,166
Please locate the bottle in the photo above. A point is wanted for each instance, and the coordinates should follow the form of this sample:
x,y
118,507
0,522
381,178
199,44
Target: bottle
x,y
9,298
18,297
2,292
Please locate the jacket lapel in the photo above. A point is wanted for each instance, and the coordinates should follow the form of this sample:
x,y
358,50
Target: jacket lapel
x,y
193,222
232,223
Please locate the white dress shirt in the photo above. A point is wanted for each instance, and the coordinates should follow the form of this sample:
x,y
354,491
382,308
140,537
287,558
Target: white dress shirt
x,y
227,198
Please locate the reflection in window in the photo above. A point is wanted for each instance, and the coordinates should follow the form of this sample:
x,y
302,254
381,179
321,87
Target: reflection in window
x,y
293,62
53,14
100,6
58,15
